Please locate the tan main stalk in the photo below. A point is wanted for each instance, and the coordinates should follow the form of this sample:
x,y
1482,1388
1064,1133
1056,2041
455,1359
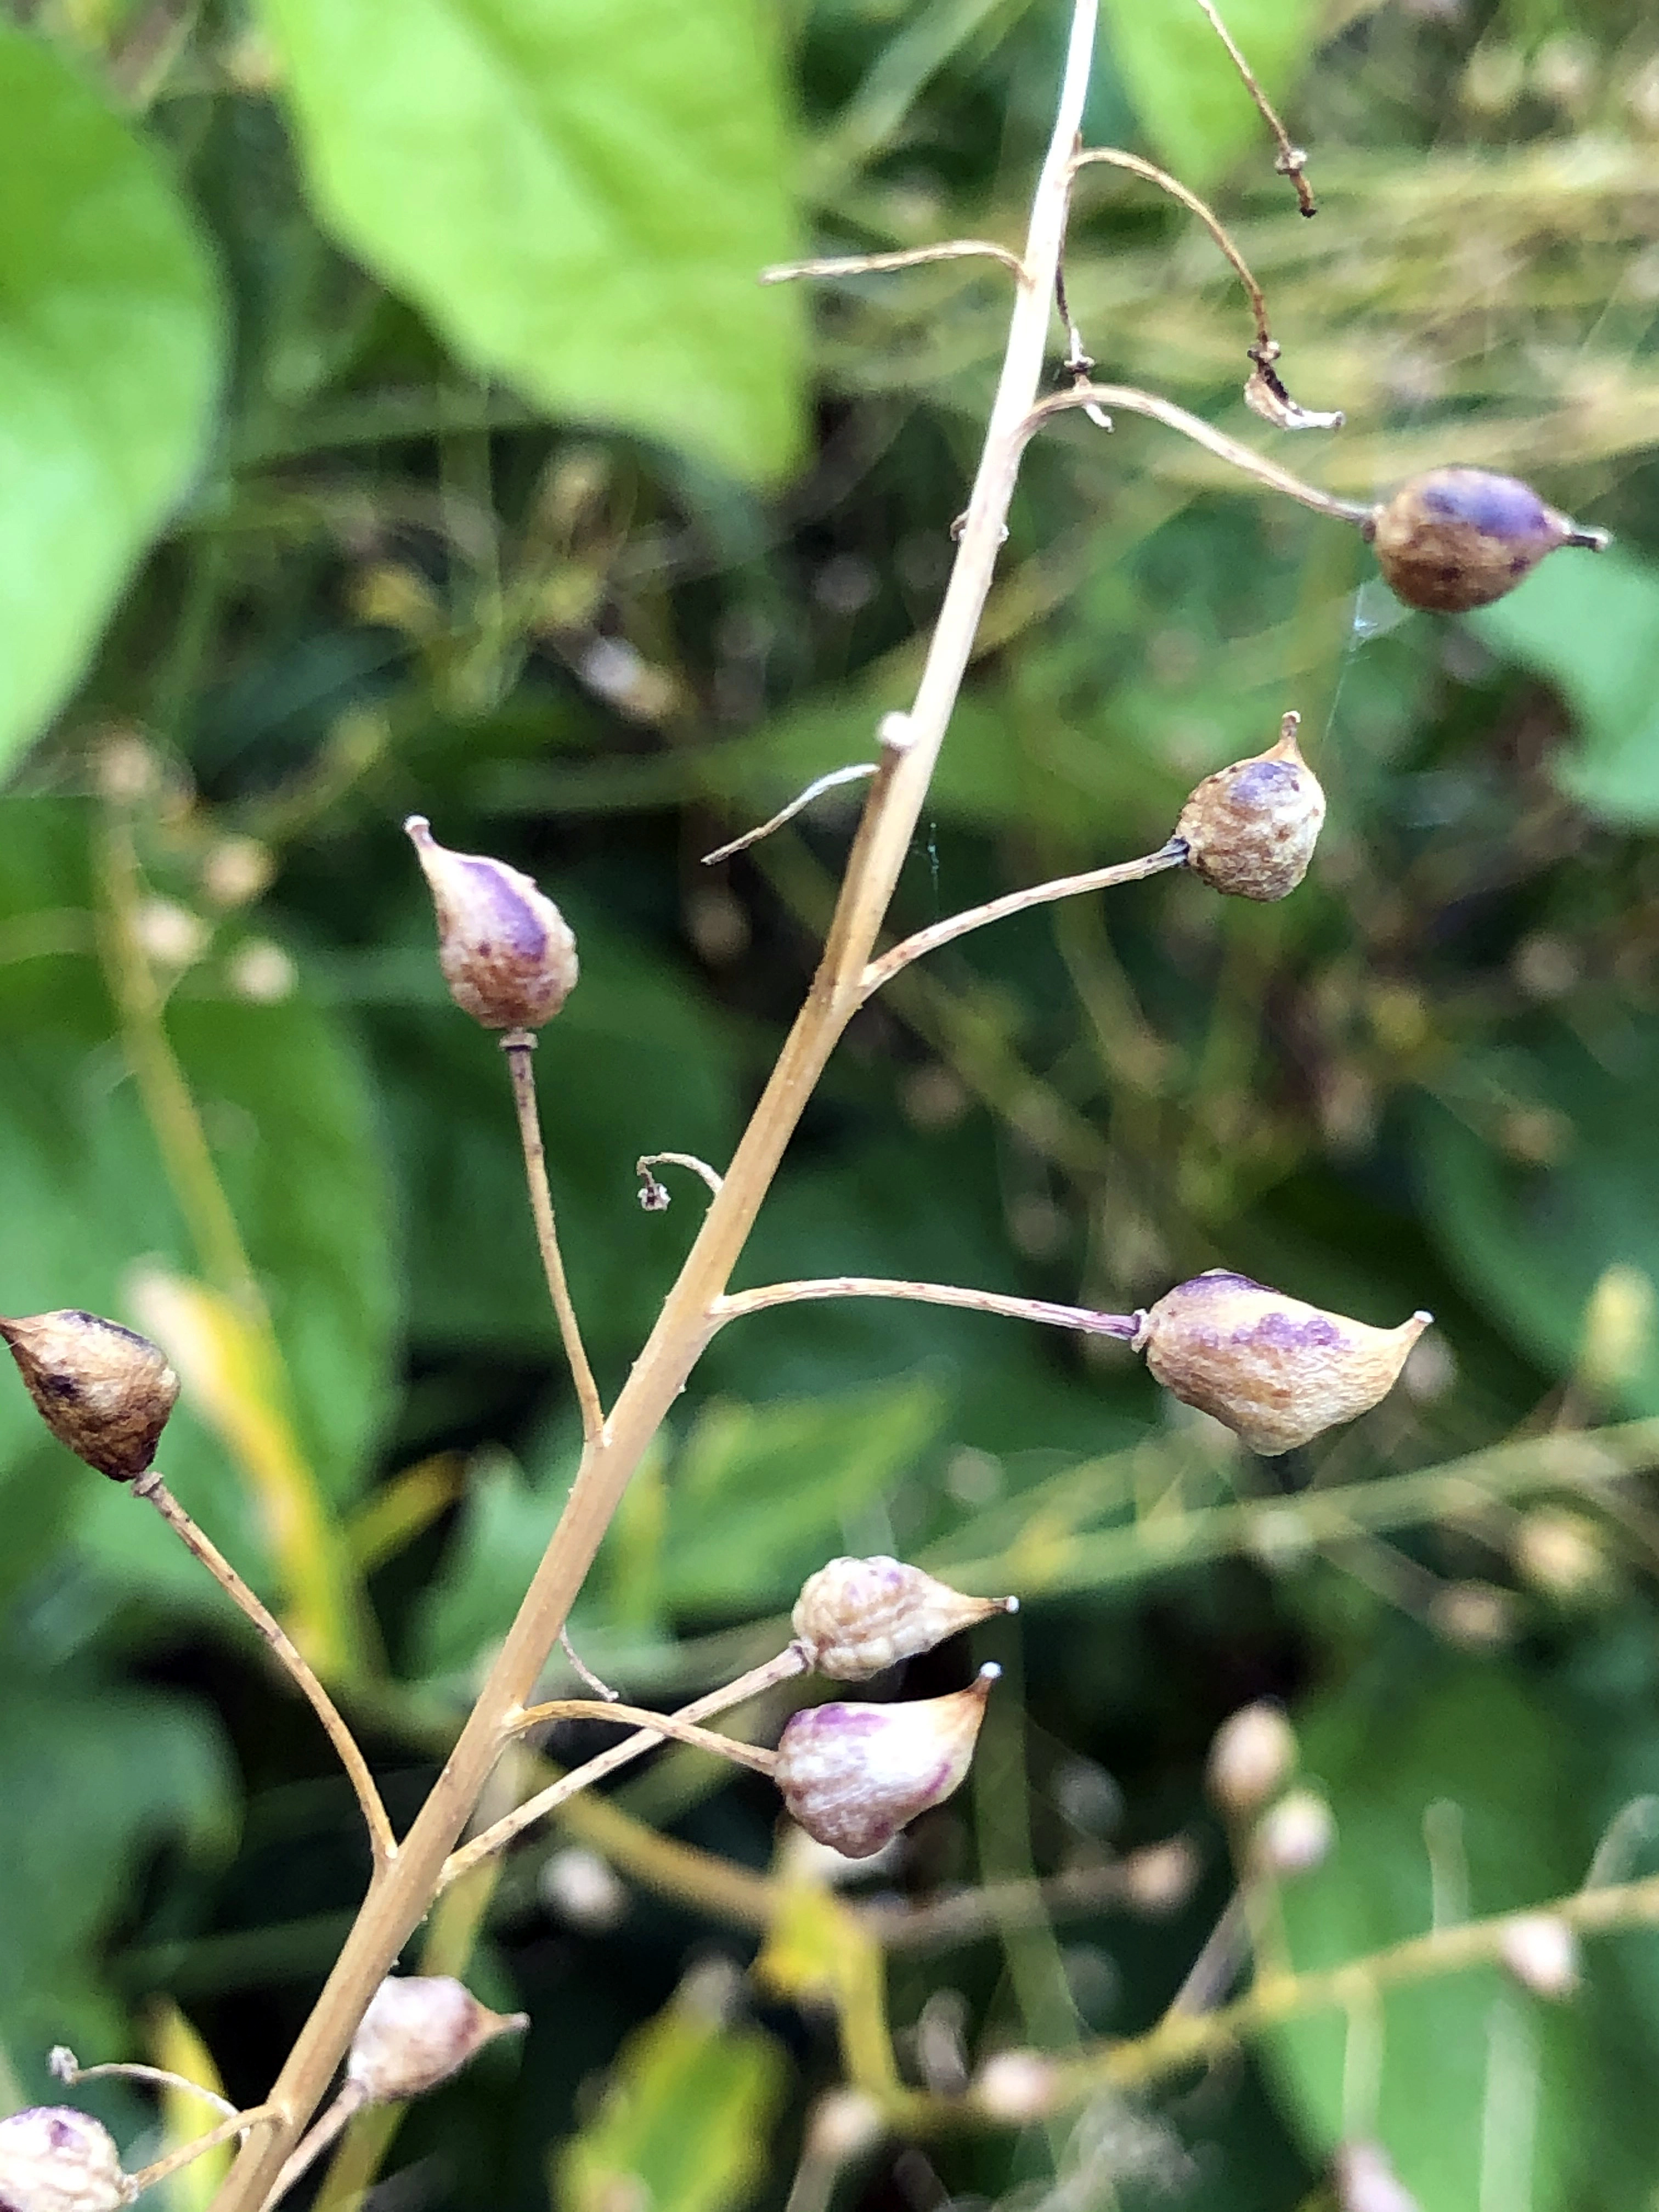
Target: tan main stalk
x,y
402,1893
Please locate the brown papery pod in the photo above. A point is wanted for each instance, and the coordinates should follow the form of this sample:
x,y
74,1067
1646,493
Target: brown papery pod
x,y
856,1616
1250,829
103,1391
53,2158
418,2030
1457,538
507,952
1276,1371
854,1774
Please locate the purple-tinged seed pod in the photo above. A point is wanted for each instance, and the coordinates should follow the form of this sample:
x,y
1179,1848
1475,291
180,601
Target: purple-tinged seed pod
x,y
103,1391
1250,829
1458,539
854,1774
856,1616
507,952
53,2158
418,2030
1276,1371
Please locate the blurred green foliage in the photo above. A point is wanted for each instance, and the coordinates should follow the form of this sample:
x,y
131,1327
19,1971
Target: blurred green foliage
x,y
392,422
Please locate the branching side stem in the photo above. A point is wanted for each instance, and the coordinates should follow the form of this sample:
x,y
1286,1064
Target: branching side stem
x,y
1124,1327
520,1046
892,808
666,1724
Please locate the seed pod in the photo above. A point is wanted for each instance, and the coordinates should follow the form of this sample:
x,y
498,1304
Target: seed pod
x,y
1278,1372
1541,1952
53,2158
856,1616
1250,829
420,2029
854,1774
103,1391
1458,539
1295,1836
507,952
1366,2181
1017,2086
1252,1754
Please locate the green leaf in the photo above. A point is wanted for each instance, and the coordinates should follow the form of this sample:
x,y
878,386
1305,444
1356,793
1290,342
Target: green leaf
x,y
110,345
580,193
1592,627
1181,83
1532,1242
1469,1739
684,2124
95,1777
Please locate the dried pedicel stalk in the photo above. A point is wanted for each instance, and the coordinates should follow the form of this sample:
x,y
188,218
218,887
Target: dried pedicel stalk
x,y
420,2029
53,2158
103,1391
854,1774
507,952
1458,539
1278,1372
855,1617
1250,829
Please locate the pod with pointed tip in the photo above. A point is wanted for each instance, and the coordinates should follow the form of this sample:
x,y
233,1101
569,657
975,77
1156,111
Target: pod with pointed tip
x,y
854,1774
1457,538
1278,1372
103,1391
507,952
418,2030
855,1617
1250,829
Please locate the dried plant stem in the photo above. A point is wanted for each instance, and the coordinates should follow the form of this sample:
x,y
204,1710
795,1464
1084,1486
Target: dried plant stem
x,y
647,1161
1121,1326
1115,157
667,1725
348,2101
913,256
789,1663
64,2067
1159,409
238,2124
1172,855
520,1046
833,781
1292,160
154,1490
892,808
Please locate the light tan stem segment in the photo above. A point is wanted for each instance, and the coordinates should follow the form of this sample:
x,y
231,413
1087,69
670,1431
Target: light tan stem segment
x,y
912,257
1113,157
592,1709
520,1046
1292,160
892,808
238,2124
348,2103
151,1487
1172,855
788,1663
1082,1318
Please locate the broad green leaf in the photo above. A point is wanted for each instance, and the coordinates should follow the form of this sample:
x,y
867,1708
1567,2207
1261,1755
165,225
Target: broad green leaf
x,y
109,342
1181,83
1532,1242
1505,1769
1592,626
684,2124
580,193
95,1777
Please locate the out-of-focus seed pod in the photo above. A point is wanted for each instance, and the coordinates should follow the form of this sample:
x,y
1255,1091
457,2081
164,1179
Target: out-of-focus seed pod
x,y
1278,1372
1250,829
1159,1878
103,1391
420,2029
1559,1553
1458,539
1541,1952
856,1616
53,2158
1295,1835
1016,2086
1252,1755
1366,2181
507,952
854,1774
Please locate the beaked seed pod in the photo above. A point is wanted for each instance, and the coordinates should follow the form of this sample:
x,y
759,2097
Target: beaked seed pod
x,y
418,2030
1250,829
53,2158
103,1391
1295,1836
1252,1754
1458,539
1278,1372
507,952
854,1774
856,1616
